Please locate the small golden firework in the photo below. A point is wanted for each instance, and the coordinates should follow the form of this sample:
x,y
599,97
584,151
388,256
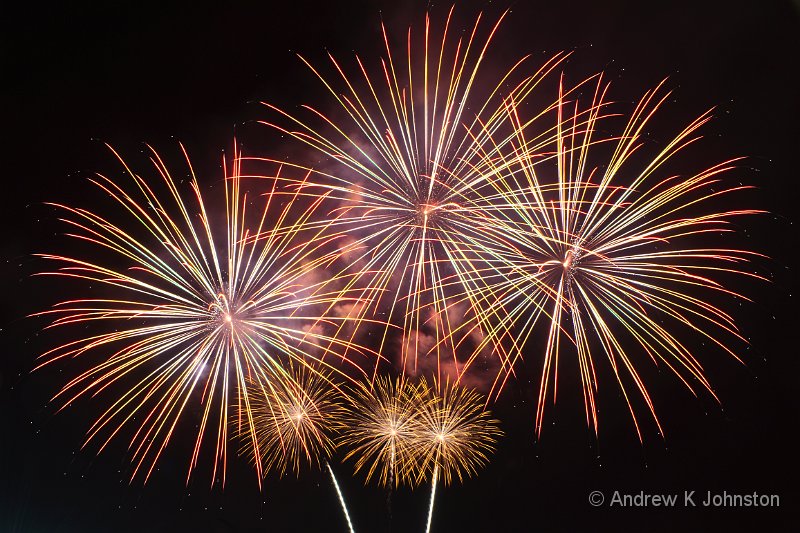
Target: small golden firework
x,y
383,428
295,420
454,433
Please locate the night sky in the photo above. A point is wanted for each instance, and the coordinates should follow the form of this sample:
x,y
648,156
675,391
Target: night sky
x,y
126,74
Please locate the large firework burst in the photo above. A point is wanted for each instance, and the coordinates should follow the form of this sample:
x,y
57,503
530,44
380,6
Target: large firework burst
x,y
408,165
615,260
186,317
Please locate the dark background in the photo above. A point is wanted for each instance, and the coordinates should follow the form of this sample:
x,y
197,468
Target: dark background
x,y
127,73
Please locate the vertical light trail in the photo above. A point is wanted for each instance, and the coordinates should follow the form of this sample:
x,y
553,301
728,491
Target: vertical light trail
x,y
341,498
433,495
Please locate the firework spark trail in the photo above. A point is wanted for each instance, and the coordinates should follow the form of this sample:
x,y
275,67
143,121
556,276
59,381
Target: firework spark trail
x,y
189,318
434,479
341,498
412,181
604,250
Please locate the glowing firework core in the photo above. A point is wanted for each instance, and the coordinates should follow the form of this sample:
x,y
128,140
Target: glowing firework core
x,y
569,261
424,213
225,313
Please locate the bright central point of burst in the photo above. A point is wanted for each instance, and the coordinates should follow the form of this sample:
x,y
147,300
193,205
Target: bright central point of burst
x,y
568,260
426,211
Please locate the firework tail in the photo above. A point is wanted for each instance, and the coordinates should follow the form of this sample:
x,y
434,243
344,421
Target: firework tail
x,y
433,495
341,498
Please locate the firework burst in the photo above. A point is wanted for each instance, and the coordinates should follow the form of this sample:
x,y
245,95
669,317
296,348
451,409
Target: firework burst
x,y
383,428
454,436
614,260
410,163
295,420
191,315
